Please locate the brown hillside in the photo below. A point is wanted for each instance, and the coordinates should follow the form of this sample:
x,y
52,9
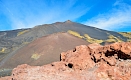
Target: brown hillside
x,y
44,50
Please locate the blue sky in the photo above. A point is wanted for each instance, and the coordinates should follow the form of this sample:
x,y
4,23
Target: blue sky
x,y
105,14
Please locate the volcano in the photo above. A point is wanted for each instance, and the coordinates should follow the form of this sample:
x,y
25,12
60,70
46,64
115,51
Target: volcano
x,y
43,44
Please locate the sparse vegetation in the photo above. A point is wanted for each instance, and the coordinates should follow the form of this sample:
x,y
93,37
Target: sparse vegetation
x,y
113,39
92,40
110,40
35,56
75,33
2,50
25,42
87,36
127,35
22,32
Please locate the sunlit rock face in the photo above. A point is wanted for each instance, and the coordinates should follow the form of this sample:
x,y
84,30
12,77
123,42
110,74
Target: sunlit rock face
x,y
92,62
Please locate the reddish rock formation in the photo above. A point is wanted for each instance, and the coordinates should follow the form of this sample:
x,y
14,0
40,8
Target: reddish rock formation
x,y
92,62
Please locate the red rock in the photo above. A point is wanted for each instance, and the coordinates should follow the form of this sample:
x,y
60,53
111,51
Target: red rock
x,y
92,62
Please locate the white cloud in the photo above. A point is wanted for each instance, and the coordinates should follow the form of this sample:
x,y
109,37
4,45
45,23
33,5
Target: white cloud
x,y
31,13
113,20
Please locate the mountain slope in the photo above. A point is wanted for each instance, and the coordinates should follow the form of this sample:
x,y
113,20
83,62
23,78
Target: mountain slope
x,y
16,42
43,50
43,30
12,40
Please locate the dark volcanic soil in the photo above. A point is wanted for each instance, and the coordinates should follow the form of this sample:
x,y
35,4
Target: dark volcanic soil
x,y
43,50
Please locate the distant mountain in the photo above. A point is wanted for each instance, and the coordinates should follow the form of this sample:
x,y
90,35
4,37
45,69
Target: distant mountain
x,y
14,44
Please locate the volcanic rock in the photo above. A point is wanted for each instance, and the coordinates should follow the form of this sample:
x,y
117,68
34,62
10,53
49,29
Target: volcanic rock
x,y
92,62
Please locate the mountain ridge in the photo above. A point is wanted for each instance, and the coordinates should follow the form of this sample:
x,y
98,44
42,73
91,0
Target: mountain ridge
x,y
14,40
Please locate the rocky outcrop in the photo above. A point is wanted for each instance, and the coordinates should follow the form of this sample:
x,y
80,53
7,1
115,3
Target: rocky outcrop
x,y
92,62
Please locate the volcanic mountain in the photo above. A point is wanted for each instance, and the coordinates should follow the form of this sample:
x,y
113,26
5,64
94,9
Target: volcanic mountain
x,y
43,44
41,51
12,40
